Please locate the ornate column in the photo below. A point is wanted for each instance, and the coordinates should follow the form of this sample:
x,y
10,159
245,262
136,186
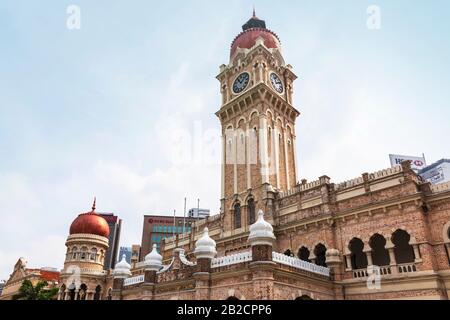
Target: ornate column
x,y
334,263
286,160
276,140
348,259
368,253
264,153
152,264
393,262
261,239
415,246
90,295
248,156
294,148
205,251
261,72
224,145
120,273
312,258
235,161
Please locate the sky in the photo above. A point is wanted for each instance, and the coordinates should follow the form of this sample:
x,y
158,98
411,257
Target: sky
x,y
123,107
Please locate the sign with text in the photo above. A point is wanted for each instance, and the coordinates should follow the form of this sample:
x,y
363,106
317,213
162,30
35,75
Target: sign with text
x,y
417,163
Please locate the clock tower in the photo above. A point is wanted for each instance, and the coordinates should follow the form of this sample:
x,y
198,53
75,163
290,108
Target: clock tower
x,y
258,127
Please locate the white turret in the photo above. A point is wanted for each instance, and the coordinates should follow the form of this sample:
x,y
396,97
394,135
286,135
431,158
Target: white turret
x,y
261,232
153,261
205,247
122,269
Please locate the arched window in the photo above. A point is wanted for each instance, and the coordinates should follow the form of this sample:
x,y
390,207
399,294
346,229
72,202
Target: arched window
x,y
97,293
83,255
232,298
74,252
237,216
303,254
304,297
319,252
358,257
380,255
101,256
82,292
251,211
404,252
109,294
93,256
288,253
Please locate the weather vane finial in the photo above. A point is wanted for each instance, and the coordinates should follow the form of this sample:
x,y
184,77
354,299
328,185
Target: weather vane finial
x,y
93,205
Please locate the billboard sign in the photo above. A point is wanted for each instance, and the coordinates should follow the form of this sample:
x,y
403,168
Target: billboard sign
x,y
435,175
417,163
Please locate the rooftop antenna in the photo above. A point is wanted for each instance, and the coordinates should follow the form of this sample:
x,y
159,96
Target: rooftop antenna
x,y
173,229
198,212
184,217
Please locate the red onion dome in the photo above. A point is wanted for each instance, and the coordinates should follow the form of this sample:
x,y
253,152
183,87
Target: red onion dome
x,y
90,223
252,30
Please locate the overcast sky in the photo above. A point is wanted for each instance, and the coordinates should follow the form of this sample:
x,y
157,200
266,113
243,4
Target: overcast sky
x,y
106,110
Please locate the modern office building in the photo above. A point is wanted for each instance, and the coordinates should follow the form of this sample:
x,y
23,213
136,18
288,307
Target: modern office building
x,y
124,251
135,253
157,227
115,225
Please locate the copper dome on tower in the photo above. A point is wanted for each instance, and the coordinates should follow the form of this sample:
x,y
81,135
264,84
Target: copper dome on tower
x,y
90,223
252,30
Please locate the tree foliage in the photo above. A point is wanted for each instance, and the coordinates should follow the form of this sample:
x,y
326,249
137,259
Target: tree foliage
x,y
38,292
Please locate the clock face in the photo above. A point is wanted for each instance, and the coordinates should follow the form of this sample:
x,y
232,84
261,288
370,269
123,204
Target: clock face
x,y
276,83
241,82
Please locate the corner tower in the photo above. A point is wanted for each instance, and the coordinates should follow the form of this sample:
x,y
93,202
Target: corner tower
x,y
83,277
258,126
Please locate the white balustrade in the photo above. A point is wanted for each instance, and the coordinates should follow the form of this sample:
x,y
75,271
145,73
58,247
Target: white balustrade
x,y
299,264
360,273
232,259
406,268
133,280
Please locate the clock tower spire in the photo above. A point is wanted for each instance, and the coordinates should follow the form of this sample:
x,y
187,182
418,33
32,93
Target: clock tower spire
x,y
258,127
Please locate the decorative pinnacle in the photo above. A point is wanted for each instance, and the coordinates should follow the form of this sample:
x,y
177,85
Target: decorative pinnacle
x,y
254,12
93,205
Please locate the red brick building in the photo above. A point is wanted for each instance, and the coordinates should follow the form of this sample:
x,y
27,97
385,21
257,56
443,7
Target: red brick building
x,y
22,273
382,235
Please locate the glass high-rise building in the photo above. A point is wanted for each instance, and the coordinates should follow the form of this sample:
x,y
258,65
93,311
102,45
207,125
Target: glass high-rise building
x,y
115,225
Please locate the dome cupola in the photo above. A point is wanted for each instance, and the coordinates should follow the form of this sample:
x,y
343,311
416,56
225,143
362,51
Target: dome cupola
x,y
90,223
153,261
261,232
205,247
252,30
122,269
